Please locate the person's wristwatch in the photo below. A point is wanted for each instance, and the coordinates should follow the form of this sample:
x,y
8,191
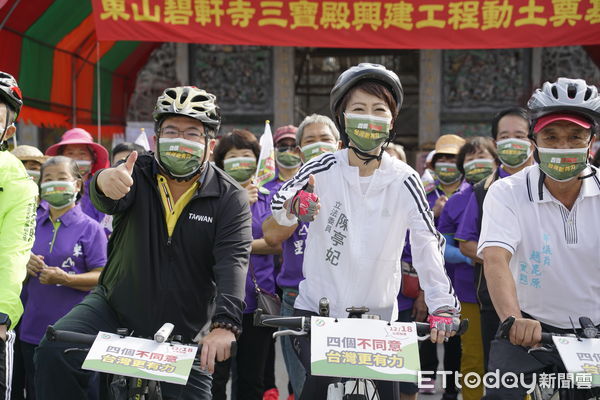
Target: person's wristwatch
x,y
5,320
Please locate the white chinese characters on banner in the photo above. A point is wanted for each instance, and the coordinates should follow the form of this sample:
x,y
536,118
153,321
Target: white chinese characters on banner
x,y
364,348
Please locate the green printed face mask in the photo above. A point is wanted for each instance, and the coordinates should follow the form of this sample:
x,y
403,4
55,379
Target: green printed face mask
x,y
447,172
59,194
563,164
287,159
181,157
513,152
84,166
367,132
478,169
35,175
240,168
313,150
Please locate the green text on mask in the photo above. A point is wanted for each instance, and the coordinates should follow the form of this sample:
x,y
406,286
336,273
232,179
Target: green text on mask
x,y
563,164
240,168
367,132
179,156
59,194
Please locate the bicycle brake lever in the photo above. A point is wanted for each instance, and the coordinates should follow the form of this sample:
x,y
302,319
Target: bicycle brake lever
x,y
423,338
504,328
289,332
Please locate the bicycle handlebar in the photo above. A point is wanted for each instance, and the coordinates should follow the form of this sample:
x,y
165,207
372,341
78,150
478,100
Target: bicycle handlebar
x,y
505,326
55,335
302,324
504,329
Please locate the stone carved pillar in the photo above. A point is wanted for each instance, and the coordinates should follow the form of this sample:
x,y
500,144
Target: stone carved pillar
x,y
430,94
182,65
283,86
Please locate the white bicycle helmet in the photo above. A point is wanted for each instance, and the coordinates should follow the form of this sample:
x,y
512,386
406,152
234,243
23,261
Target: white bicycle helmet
x,y
566,96
10,94
190,102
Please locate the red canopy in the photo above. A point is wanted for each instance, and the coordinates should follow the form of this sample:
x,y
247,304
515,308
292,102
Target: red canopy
x,y
52,49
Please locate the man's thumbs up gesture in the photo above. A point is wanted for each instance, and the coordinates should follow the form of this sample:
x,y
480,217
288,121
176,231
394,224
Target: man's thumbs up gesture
x,y
116,182
305,204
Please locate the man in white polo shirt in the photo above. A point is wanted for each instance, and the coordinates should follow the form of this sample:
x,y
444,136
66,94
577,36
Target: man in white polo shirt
x,y
539,238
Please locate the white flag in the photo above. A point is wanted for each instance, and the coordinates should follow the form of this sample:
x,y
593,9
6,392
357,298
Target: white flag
x,y
142,140
265,168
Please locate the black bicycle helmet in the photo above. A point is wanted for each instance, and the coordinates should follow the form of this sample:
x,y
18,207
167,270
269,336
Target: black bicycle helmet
x,y
352,76
10,92
363,72
571,96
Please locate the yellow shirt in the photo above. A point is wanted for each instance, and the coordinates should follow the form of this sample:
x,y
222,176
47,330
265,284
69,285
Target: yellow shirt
x,y
173,211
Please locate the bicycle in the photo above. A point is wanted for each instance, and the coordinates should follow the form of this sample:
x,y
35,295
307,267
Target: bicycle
x,y
588,331
352,388
122,387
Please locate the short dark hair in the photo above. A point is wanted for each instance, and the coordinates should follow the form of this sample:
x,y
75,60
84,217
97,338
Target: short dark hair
x,y
473,145
375,88
73,169
516,111
596,159
238,139
126,146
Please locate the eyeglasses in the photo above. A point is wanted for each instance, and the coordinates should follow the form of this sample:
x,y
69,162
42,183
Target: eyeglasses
x,y
189,134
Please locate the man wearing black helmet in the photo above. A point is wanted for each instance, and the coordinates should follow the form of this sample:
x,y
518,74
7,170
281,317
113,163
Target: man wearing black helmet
x,y
539,240
178,253
365,201
18,196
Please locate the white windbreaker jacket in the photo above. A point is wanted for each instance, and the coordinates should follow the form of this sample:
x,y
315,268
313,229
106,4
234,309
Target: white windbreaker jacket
x,y
354,245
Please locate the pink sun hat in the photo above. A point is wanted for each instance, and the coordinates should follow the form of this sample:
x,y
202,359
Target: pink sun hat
x,y
81,136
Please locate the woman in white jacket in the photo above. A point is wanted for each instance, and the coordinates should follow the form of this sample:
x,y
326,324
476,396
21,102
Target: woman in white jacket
x,y
365,201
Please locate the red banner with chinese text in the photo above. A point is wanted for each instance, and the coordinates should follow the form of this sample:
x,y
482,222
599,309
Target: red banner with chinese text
x,y
410,24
